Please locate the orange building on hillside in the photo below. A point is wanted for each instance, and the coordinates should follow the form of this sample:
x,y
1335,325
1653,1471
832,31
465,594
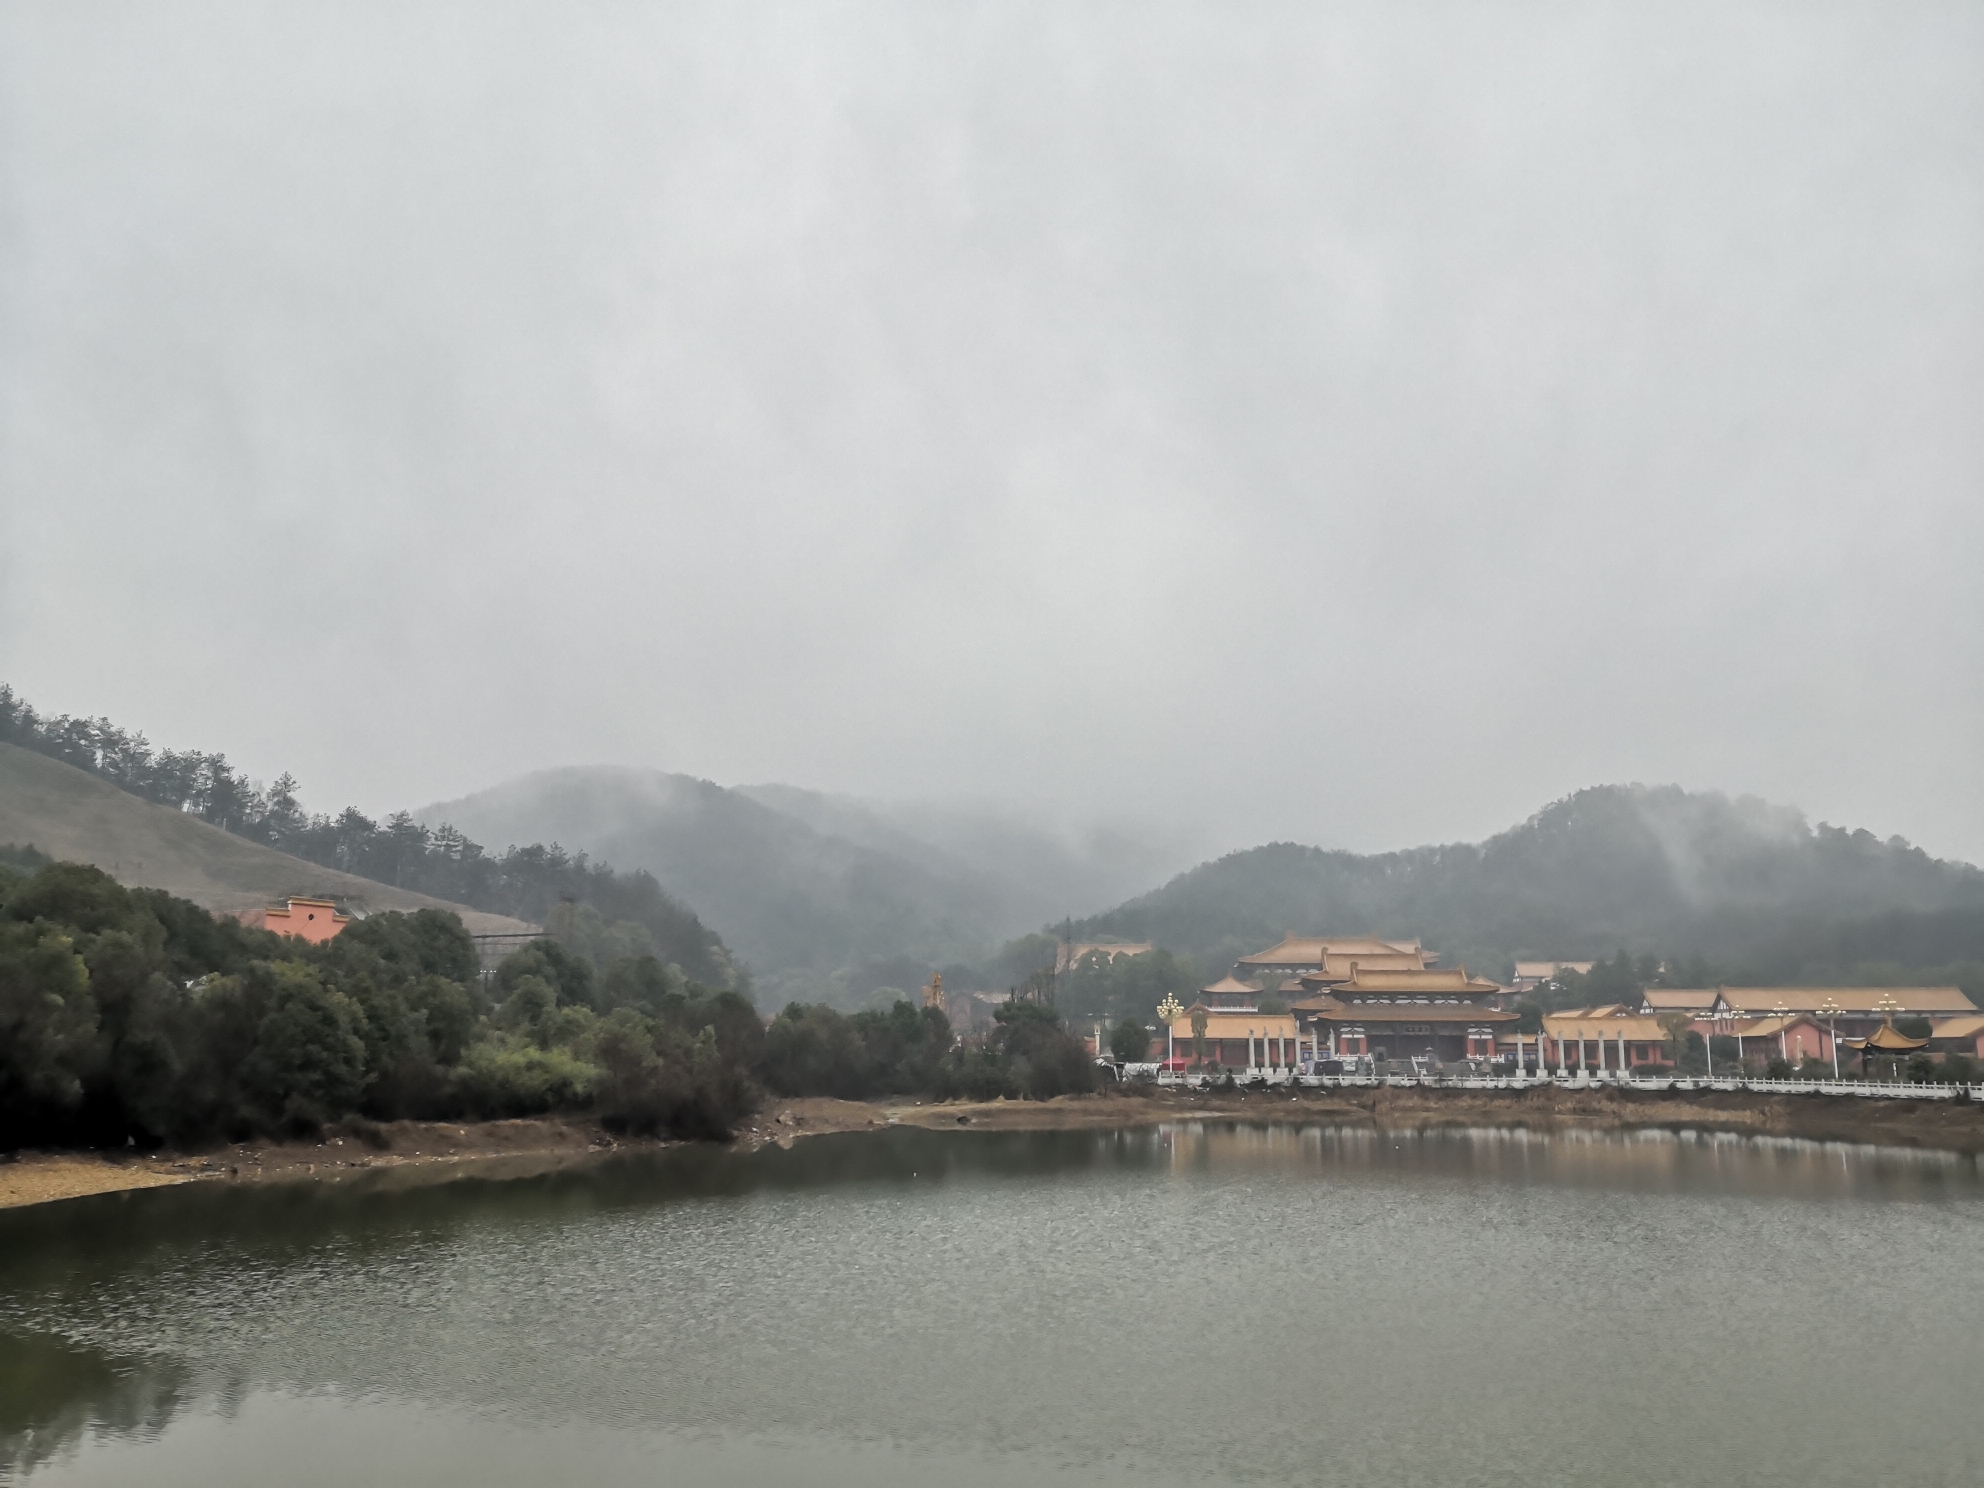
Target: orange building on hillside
x,y
314,920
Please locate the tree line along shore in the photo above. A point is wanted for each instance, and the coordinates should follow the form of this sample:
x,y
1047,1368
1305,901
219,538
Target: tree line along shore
x,y
133,1022
133,1019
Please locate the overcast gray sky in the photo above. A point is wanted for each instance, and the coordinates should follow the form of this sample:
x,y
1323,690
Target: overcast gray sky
x,y
1354,423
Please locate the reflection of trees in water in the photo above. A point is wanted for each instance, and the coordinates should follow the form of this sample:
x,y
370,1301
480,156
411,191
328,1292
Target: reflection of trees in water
x,y
53,1393
59,1263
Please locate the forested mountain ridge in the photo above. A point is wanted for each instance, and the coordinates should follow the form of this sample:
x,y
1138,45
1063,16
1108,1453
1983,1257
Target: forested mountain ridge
x,y
77,817
1651,869
397,863
822,896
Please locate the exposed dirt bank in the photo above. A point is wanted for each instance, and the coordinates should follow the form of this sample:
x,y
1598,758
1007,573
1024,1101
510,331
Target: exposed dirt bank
x,y
426,1152
1905,1123
415,1151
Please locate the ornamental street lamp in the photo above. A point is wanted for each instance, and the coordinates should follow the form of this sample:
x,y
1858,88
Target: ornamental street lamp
x,y
1169,1011
1830,1011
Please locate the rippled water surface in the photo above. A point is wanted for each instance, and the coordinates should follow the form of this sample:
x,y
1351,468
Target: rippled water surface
x,y
1201,1303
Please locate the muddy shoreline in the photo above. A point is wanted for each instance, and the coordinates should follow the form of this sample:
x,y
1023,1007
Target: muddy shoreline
x,y
409,1152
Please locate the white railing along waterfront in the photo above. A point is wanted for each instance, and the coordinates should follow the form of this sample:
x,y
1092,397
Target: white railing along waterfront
x,y
1585,1080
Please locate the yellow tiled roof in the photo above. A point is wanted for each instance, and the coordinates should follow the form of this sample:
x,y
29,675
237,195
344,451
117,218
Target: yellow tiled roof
x,y
1414,1012
1885,1037
1863,1001
1429,979
1311,950
1634,1027
1764,1027
1227,985
1538,970
1237,1025
1680,999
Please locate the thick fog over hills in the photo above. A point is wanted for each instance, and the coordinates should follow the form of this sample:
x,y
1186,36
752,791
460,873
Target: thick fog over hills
x,y
805,886
1345,423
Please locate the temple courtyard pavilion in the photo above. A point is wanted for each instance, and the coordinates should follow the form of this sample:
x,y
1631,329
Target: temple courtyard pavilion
x,y
1238,1035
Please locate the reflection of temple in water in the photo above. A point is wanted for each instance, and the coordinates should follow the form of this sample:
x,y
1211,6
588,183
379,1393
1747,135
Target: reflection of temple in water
x,y
1643,1160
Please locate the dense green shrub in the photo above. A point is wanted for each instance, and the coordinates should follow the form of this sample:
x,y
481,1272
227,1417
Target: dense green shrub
x,y
128,1014
48,1019
816,1050
658,1079
1050,1060
503,1076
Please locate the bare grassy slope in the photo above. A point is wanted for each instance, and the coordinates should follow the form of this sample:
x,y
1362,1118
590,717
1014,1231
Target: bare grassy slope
x,y
76,817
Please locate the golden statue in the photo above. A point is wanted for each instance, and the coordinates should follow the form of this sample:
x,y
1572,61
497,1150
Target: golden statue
x,y
933,992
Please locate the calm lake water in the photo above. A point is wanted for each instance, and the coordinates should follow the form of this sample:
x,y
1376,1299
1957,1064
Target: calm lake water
x,y
1204,1303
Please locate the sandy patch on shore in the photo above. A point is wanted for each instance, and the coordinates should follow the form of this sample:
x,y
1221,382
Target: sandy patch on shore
x,y
411,1151
39,1178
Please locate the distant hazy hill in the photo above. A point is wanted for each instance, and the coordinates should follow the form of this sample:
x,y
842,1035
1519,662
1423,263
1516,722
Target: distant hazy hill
x,y
74,816
1649,869
803,885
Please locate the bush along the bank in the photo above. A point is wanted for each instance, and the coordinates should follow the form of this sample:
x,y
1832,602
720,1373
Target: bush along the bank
x,y
811,1049
127,1015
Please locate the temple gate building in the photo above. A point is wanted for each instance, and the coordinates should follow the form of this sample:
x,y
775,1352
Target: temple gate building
x,y
1399,1013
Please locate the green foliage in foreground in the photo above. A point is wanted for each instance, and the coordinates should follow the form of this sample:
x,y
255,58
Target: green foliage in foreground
x,y
126,1014
129,1015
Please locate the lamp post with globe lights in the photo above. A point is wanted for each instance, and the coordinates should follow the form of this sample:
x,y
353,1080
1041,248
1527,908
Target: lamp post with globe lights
x,y
1169,1010
1830,1011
